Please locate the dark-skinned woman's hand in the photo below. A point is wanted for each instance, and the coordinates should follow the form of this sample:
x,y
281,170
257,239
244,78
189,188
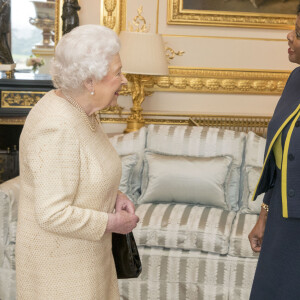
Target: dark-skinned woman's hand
x,y
257,233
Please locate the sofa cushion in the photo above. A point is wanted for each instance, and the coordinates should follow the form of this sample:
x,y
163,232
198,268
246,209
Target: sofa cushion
x,y
128,164
202,142
254,150
4,224
184,227
250,179
7,284
251,170
185,179
130,143
239,244
9,192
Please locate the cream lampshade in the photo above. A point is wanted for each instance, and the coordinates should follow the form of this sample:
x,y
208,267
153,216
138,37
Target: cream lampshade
x,y
143,55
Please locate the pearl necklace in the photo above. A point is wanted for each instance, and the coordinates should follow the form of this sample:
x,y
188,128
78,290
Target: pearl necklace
x,y
93,123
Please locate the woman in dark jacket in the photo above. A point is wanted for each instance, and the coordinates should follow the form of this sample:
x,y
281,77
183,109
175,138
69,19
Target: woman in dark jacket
x,y
276,234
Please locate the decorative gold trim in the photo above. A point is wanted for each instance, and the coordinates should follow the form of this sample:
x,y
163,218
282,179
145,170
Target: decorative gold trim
x,y
12,120
113,14
179,16
217,81
20,99
257,124
223,37
157,16
58,21
227,81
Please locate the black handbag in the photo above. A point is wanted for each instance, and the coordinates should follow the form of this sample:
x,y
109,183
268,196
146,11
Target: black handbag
x,y
126,256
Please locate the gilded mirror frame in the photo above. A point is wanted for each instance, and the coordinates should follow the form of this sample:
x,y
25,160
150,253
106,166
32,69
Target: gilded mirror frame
x,y
179,16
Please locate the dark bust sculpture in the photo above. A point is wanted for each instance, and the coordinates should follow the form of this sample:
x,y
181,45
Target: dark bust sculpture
x,y
5,54
69,15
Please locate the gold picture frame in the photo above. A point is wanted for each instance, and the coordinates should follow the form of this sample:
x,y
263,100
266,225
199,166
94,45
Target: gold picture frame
x,y
58,21
179,16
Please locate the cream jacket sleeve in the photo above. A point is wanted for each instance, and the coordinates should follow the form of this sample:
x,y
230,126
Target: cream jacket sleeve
x,y
52,155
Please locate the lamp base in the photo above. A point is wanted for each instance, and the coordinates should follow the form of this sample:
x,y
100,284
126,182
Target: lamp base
x,y
133,125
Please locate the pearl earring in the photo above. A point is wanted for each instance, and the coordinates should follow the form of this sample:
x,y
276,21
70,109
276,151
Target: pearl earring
x,y
92,93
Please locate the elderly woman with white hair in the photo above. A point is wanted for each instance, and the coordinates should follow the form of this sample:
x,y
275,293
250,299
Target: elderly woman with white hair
x,y
69,201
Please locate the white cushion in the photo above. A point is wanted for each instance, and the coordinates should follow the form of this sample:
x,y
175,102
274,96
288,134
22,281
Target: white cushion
x,y
7,284
4,224
181,226
254,150
9,199
125,144
128,164
185,179
251,170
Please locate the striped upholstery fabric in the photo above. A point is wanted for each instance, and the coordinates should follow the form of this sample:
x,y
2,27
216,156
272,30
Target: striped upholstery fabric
x,y
254,150
254,158
189,275
133,142
126,144
9,192
184,227
9,195
242,272
4,224
202,142
239,243
7,284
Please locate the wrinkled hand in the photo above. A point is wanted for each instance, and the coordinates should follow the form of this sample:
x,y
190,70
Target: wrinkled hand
x,y
256,235
121,222
124,203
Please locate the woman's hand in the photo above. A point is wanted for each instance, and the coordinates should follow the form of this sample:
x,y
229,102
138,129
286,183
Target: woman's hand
x,y
124,203
257,233
121,222
124,219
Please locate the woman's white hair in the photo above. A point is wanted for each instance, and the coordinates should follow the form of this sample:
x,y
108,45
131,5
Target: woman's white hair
x,y
84,53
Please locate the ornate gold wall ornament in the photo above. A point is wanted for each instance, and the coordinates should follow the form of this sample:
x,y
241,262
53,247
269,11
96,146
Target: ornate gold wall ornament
x,y
179,16
222,81
170,53
113,14
20,99
139,22
226,81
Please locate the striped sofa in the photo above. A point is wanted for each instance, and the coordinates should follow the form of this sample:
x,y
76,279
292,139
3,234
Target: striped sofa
x,y
192,188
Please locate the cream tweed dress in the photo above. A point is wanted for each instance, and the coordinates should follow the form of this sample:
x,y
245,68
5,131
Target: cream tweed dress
x,y
69,181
